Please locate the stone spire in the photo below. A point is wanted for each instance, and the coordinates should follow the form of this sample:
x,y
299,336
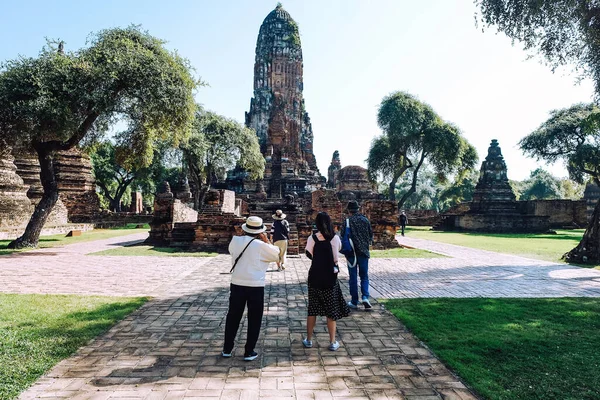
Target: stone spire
x,y
493,181
277,112
334,167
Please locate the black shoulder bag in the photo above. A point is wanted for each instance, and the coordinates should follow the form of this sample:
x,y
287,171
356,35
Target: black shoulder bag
x,y
240,256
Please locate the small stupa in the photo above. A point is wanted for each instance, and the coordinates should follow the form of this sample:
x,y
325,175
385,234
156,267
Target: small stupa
x,y
494,207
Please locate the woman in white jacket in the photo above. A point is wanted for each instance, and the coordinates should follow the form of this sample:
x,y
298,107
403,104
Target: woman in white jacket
x,y
250,255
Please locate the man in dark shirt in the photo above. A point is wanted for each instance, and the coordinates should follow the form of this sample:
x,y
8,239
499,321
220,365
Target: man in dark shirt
x,y
362,237
403,221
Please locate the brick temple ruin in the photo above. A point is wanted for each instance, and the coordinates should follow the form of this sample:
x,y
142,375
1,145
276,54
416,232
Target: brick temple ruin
x,y
292,182
494,207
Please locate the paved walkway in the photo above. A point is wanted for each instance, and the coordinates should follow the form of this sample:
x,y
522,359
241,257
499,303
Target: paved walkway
x,y
170,348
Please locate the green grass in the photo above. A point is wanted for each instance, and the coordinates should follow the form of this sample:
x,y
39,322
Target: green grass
x,y
541,246
62,239
404,253
37,331
144,250
513,348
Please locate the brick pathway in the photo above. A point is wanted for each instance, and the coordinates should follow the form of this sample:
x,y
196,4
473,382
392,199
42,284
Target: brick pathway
x,y
477,273
170,348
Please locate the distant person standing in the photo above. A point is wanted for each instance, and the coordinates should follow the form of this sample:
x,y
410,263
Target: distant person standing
x,y
281,234
403,221
250,256
362,237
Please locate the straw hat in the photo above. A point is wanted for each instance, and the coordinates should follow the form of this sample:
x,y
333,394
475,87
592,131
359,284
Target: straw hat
x,y
279,215
254,225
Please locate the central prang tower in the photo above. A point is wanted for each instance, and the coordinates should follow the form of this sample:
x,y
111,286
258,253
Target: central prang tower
x,y
277,112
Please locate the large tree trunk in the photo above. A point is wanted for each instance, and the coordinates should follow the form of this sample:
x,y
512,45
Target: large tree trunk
x,y
413,186
392,193
588,250
43,209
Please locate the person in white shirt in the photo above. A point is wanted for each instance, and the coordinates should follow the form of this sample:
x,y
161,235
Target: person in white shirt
x,y
250,256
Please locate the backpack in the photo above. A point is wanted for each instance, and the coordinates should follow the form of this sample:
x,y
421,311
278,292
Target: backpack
x,y
347,245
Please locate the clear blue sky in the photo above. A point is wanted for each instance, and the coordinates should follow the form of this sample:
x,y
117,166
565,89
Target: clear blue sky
x,y
355,52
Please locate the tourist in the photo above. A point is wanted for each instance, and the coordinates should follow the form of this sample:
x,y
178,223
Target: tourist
x,y
280,232
362,237
403,221
325,296
251,255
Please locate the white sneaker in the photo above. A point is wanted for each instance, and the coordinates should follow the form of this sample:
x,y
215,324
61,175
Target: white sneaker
x,y
226,355
352,305
367,304
307,343
334,346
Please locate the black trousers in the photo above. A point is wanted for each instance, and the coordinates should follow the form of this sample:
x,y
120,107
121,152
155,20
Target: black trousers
x,y
239,296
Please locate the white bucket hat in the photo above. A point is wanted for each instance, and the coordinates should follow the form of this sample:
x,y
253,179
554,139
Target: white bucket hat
x,y
279,215
254,225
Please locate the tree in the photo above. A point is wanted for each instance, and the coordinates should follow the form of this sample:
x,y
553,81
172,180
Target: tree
x,y
114,178
217,145
412,134
571,190
573,136
541,185
461,190
60,100
563,31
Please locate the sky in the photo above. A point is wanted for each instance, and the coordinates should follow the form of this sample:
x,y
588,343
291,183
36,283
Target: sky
x,y
355,53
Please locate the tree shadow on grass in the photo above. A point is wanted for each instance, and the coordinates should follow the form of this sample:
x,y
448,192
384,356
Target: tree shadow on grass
x,y
36,342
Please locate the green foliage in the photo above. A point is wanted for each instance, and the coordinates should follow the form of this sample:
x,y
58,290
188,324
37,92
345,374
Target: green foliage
x,y
571,135
37,331
541,185
512,348
459,191
562,31
62,99
219,144
571,190
413,134
116,178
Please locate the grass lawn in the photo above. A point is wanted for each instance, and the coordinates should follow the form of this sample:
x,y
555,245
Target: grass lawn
x,y
144,250
513,348
404,253
62,239
37,331
540,246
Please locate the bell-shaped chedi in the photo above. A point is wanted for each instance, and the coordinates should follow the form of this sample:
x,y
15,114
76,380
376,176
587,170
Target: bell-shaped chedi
x,y
15,206
277,112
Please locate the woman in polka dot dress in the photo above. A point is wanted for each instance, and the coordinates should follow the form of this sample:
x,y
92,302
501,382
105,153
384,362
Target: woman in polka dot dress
x,y
325,296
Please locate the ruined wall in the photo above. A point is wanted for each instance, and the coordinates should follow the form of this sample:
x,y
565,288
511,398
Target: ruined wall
x,y
76,185
15,206
562,213
383,215
501,223
326,200
422,217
